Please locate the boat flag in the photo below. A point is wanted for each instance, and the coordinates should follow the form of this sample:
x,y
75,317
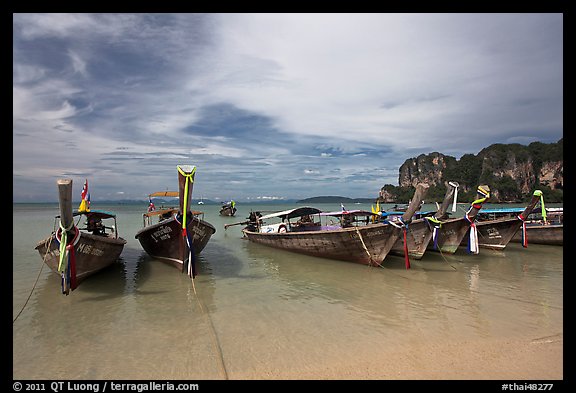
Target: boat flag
x,y
85,203
151,206
343,208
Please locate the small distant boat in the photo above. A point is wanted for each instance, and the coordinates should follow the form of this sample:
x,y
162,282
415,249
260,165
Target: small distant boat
x,y
365,244
403,208
76,253
178,233
228,209
201,201
497,227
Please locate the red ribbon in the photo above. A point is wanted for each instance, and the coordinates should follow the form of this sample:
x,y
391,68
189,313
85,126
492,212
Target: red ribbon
x,y
72,262
406,258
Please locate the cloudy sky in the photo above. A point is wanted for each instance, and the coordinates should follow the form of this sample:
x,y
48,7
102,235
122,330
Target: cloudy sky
x,y
271,105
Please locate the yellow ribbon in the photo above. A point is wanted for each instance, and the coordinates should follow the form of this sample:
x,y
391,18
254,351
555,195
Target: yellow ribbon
x,y
189,178
63,244
484,192
541,195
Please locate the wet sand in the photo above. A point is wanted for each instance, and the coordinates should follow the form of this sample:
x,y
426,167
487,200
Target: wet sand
x,y
493,359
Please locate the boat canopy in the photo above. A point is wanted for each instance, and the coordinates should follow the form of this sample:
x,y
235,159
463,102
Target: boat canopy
x,y
355,213
298,212
169,210
555,209
503,210
174,194
94,213
419,214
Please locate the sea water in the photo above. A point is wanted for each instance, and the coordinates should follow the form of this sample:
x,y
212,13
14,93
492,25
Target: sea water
x,y
255,312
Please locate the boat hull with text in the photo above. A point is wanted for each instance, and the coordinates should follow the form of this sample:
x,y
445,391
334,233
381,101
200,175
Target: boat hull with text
x,y
164,240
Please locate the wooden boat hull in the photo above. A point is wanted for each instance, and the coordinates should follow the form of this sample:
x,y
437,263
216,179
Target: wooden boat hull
x,y
92,253
551,234
164,240
418,237
227,212
366,245
450,235
496,234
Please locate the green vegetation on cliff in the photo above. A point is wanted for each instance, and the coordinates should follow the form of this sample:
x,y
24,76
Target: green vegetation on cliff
x,y
513,172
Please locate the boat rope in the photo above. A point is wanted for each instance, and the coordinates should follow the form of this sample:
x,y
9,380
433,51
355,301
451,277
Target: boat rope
x,y
434,225
37,278
366,248
213,335
446,259
67,253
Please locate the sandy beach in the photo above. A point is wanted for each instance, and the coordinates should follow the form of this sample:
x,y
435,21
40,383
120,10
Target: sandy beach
x,y
493,359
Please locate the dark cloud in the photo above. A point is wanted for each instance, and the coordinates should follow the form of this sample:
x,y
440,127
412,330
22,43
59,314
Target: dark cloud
x,y
284,105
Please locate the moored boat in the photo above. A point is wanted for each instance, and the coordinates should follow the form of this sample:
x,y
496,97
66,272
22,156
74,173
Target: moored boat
x,y
228,209
547,228
421,229
76,253
365,244
451,231
175,234
497,227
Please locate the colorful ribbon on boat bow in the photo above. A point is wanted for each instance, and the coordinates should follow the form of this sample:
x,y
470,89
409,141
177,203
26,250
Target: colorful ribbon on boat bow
x,y
473,247
67,262
455,185
188,265
436,224
524,233
404,227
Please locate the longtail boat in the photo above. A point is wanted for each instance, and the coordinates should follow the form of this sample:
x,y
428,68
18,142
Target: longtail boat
x,y
365,244
421,230
497,227
175,234
75,253
546,227
449,233
228,209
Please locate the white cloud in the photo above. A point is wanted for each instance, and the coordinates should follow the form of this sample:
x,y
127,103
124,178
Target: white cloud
x,y
306,96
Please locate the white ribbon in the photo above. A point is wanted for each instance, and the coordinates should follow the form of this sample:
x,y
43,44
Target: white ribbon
x,y
455,185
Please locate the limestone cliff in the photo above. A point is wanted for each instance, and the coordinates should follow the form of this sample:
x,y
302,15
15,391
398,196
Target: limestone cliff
x,y
513,171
